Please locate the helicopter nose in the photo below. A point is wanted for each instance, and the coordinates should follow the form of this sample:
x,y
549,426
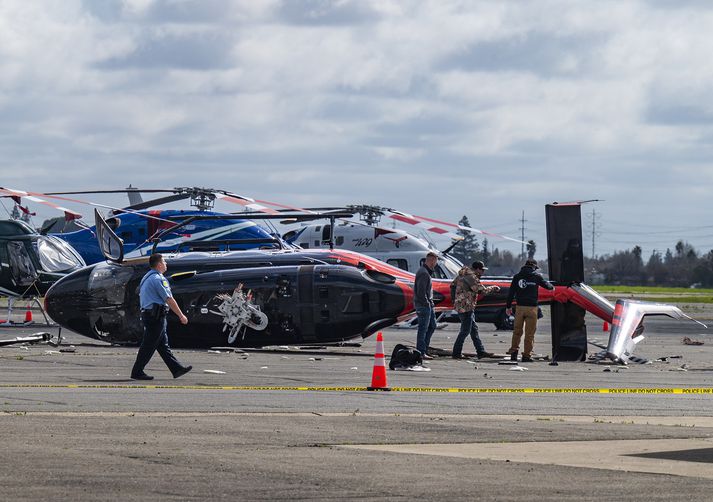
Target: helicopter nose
x,y
68,301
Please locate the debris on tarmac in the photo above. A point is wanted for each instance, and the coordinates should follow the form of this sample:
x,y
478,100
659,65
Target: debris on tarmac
x,y
689,341
214,372
411,368
518,368
263,367
608,368
354,368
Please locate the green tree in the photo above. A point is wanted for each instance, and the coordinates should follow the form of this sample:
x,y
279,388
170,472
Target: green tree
x,y
486,254
468,250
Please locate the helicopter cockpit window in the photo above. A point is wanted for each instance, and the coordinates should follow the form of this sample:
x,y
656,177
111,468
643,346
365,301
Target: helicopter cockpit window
x,y
398,262
113,223
56,255
111,246
449,267
21,267
325,232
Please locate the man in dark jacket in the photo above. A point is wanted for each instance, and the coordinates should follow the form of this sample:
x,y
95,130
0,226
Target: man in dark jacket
x,y
423,301
524,289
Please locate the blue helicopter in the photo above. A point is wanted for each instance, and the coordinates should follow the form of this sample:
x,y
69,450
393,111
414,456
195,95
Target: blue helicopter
x,y
139,228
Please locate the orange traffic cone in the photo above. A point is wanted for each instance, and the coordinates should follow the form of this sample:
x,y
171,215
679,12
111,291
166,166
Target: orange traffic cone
x,y
605,326
28,314
378,375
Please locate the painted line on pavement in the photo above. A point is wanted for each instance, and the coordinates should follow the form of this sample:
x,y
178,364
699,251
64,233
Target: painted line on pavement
x,y
466,390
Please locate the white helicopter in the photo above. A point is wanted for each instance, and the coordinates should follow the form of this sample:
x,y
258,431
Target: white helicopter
x,y
393,246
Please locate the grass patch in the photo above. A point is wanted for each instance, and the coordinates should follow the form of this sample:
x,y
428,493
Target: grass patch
x,y
653,290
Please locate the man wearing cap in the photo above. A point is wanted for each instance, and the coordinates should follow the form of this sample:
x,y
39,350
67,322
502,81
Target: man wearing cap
x,y
467,288
524,290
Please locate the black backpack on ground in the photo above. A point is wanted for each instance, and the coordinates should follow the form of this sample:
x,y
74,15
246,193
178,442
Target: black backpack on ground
x,y
404,356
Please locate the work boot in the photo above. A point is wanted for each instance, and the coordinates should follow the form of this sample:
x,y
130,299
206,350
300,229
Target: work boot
x,y
526,359
481,355
141,376
513,355
182,371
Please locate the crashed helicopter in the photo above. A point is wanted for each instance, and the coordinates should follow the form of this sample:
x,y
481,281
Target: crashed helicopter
x,y
286,296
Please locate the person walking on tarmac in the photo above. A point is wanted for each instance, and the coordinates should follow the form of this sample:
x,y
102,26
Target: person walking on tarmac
x,y
423,301
155,294
467,288
524,289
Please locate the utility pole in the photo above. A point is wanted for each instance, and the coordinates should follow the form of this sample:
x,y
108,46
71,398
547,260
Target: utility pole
x,y
522,235
595,232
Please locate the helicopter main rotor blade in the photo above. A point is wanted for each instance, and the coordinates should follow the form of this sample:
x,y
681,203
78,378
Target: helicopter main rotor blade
x,y
148,190
428,224
157,202
68,213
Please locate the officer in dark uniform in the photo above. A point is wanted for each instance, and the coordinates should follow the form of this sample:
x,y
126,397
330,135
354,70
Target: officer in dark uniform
x,y
156,299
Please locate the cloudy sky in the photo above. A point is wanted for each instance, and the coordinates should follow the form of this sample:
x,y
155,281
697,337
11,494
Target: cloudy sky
x,y
438,108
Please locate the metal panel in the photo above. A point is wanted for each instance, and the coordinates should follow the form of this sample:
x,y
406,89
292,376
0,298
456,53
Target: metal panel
x,y
566,266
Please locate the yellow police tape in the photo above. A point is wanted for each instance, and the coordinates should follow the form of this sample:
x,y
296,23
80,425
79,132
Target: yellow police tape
x,y
467,390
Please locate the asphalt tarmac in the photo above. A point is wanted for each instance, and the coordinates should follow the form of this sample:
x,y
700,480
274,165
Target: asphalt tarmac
x,y
74,426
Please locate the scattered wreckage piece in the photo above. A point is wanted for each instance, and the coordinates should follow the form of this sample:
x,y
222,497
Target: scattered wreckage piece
x,y
31,339
601,356
627,328
239,311
688,341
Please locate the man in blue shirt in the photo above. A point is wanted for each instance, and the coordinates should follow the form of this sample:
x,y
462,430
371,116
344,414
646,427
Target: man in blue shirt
x,y
156,298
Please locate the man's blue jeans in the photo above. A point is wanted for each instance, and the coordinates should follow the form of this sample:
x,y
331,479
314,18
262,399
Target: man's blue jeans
x,y
426,327
467,326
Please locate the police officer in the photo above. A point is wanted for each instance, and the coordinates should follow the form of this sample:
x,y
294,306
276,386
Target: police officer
x,y
155,293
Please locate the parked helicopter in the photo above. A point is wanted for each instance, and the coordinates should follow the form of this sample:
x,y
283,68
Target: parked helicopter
x,y
400,249
138,227
29,262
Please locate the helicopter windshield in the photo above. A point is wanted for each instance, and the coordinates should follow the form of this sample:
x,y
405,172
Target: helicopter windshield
x,y
56,255
449,266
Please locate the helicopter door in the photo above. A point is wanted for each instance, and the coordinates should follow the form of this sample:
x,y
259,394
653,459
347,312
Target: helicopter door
x,y
22,270
112,247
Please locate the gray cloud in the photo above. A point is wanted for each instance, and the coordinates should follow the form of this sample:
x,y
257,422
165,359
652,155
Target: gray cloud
x,y
541,53
325,12
192,51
